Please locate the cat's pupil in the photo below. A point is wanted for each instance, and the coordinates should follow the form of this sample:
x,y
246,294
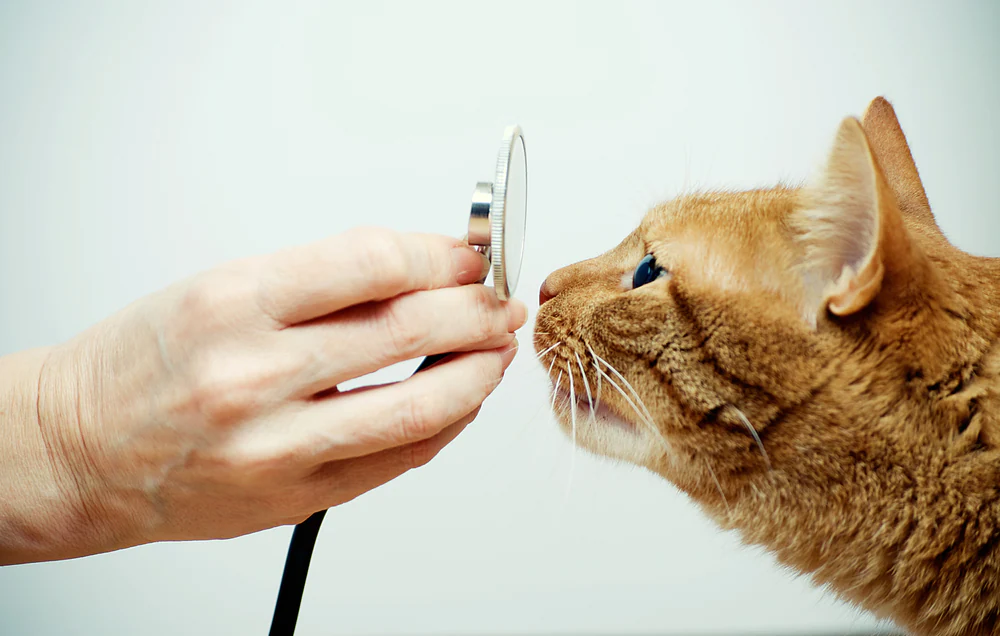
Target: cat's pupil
x,y
646,272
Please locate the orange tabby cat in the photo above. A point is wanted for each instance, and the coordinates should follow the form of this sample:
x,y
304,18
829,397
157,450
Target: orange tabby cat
x,y
818,368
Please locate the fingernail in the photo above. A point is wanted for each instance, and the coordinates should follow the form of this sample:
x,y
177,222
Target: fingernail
x,y
470,265
507,355
517,314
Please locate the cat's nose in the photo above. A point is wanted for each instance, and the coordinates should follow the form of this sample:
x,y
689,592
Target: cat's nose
x,y
546,293
558,282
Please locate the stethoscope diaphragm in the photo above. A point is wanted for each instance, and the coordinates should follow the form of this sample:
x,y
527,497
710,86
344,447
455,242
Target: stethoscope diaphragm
x,y
499,212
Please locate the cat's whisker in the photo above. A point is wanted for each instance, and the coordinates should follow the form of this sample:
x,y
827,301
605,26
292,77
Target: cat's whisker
x,y
717,485
542,354
631,389
753,432
572,402
548,372
555,391
642,418
572,417
586,385
635,394
597,399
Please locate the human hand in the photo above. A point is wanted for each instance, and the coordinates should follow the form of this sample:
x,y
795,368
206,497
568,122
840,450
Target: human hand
x,y
210,409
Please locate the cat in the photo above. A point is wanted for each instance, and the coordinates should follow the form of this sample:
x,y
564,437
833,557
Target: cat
x,y
817,367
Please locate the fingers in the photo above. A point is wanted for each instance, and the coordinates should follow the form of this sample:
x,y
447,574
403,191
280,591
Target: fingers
x,y
358,266
363,339
374,419
338,482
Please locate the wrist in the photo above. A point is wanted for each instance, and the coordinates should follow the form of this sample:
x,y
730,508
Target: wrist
x,y
54,505
35,490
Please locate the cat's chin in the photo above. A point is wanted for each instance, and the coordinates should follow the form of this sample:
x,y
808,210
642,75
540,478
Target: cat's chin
x,y
597,415
601,429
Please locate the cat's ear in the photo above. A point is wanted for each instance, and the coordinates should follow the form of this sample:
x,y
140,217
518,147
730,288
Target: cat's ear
x,y
888,144
848,227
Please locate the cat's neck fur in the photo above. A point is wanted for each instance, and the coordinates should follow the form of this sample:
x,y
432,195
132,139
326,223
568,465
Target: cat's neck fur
x,y
907,531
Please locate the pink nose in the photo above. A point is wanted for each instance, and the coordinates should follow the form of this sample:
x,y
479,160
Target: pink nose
x,y
545,294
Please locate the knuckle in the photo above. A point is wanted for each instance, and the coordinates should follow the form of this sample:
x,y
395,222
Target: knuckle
x,y
239,468
233,469
486,323
406,335
212,299
440,268
382,259
220,391
199,300
490,372
267,466
419,453
216,289
416,418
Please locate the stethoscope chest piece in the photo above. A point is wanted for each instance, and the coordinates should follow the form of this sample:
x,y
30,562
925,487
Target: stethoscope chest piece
x,y
498,214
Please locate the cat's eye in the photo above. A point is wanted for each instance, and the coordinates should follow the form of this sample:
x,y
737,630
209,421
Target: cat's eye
x,y
647,271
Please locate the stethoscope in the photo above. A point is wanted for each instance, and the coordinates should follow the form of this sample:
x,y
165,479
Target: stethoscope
x,y
496,229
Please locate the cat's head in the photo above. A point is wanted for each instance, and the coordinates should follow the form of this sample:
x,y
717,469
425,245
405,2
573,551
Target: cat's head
x,y
784,331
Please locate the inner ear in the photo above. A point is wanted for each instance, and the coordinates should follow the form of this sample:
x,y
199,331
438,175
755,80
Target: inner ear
x,y
854,291
840,227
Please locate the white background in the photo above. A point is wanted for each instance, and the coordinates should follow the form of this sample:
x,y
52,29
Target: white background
x,y
142,142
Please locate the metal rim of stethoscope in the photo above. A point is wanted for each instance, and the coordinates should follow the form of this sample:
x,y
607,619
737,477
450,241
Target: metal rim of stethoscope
x,y
488,219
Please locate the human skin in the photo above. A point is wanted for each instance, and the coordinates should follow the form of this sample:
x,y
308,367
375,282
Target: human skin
x,y
210,409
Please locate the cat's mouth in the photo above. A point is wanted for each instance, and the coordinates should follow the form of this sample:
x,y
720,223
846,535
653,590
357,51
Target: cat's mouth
x,y
590,411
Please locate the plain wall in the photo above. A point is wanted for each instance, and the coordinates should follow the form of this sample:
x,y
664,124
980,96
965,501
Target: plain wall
x,y
142,142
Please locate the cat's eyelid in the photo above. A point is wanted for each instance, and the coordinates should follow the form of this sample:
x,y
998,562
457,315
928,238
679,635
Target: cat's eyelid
x,y
626,281
651,247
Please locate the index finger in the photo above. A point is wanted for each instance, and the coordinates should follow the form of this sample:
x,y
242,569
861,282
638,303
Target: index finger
x,y
362,265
